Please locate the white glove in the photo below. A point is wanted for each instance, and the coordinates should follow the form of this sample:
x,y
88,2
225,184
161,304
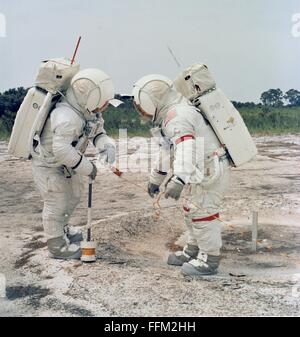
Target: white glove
x,y
93,174
174,188
152,189
108,153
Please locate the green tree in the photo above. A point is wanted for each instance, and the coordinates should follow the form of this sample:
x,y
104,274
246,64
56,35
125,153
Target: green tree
x,y
272,97
293,97
10,102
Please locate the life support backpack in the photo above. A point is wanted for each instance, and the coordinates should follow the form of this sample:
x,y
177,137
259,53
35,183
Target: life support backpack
x,y
197,84
53,79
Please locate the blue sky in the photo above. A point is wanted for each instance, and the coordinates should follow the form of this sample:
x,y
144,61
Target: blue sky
x,y
248,45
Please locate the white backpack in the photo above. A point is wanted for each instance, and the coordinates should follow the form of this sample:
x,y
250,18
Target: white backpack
x,y
53,78
197,84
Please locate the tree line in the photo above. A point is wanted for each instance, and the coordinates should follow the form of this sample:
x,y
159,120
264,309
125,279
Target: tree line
x,y
275,98
126,117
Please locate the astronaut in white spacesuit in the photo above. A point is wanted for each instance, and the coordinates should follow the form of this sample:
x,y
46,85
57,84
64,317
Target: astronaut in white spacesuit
x,y
179,124
58,172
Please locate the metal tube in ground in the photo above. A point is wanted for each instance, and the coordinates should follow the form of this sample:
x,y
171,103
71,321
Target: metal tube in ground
x,y
89,220
88,247
254,231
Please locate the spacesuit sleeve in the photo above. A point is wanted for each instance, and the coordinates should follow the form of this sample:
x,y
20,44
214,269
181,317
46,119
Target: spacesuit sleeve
x,y
102,139
182,134
63,136
162,164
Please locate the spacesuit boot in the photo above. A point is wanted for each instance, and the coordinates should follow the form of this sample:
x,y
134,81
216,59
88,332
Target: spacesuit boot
x,y
188,253
60,248
73,234
203,265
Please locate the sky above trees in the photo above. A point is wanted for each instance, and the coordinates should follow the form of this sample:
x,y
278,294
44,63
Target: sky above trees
x,y
248,45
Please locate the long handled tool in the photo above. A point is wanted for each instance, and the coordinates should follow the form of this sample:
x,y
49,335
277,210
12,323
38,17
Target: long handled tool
x,y
88,247
89,217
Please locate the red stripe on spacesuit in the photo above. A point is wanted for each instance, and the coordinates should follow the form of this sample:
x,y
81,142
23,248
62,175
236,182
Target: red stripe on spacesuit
x,y
184,138
209,218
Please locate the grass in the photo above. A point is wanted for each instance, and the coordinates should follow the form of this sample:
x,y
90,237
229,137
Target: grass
x,y
272,120
260,121
4,133
4,137
131,133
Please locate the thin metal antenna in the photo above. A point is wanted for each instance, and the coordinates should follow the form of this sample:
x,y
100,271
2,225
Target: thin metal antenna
x,y
174,57
76,50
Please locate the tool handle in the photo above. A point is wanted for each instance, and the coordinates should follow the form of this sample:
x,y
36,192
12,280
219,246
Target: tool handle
x,y
90,195
116,171
89,219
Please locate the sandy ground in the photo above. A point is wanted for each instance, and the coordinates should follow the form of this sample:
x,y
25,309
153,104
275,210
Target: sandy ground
x,y
130,277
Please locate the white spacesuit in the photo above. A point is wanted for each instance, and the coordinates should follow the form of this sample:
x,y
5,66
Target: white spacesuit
x,y
59,168
205,178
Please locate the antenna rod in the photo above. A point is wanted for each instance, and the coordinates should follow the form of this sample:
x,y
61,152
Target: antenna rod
x,y
174,57
76,50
